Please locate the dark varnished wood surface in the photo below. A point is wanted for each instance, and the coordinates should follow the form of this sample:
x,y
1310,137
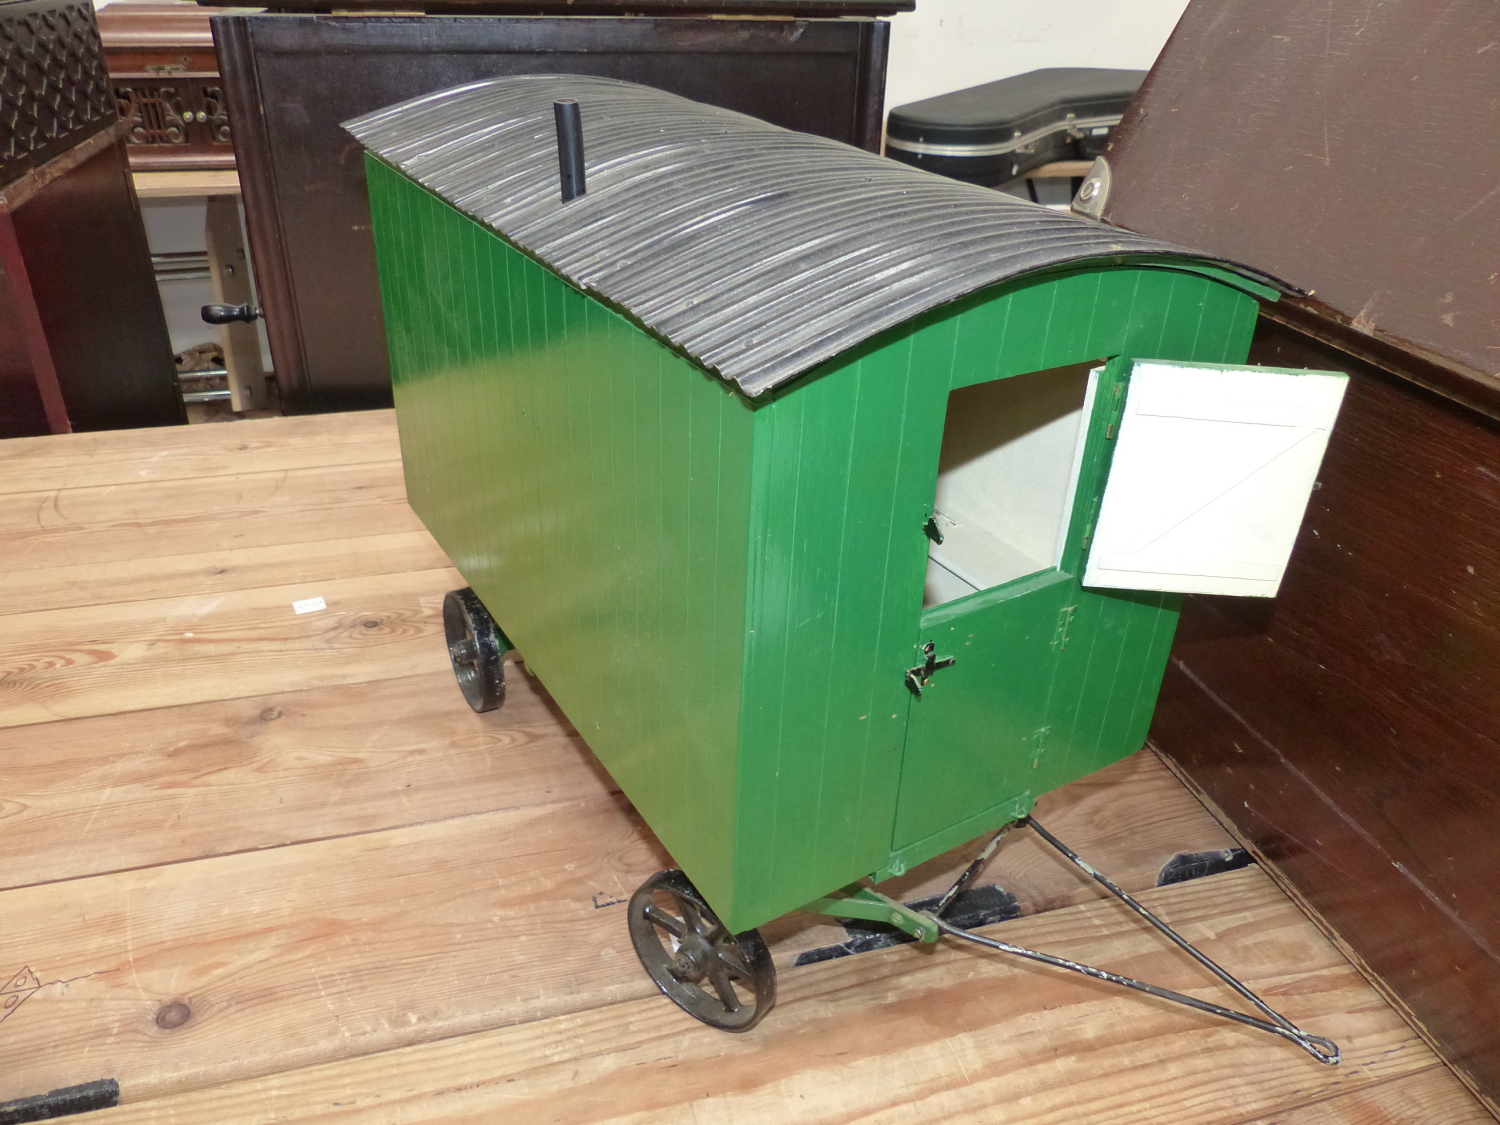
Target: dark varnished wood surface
x,y
292,79
30,401
88,277
164,26
789,8
1352,726
1335,145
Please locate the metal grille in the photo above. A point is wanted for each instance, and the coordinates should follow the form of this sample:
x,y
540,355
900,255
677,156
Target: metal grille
x,y
758,251
155,114
54,90
217,112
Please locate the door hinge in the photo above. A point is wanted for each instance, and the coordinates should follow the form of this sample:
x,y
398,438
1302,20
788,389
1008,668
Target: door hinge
x,y
1064,627
1038,741
1113,427
919,677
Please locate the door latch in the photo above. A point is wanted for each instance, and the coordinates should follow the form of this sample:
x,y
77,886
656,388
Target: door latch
x,y
919,677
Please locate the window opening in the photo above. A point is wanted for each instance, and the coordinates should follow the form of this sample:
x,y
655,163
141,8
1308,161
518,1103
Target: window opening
x,y
1009,466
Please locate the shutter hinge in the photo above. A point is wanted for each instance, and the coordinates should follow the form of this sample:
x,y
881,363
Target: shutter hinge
x,y
1113,427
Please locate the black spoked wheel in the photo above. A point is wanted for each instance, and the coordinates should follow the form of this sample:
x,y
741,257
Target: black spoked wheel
x,y
726,980
475,646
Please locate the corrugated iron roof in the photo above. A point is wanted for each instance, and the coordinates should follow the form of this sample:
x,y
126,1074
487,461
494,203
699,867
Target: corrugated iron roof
x,y
758,251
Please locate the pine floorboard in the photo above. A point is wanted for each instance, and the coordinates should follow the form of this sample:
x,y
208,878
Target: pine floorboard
x,y
373,905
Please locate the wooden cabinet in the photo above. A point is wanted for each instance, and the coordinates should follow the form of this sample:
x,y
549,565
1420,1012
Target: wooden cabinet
x,y
165,76
83,343
291,80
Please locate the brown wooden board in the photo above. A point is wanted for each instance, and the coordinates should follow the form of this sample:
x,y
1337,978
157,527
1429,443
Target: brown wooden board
x,y
191,452
1434,1096
914,1035
218,571
292,79
185,516
291,956
1352,727
133,656
110,793
1337,146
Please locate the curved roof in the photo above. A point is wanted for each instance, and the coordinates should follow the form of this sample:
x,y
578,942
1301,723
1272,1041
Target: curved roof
x,y
758,251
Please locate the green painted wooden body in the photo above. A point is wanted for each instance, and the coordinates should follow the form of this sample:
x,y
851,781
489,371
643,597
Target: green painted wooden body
x,y
724,595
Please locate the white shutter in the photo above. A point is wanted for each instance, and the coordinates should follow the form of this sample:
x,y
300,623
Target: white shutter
x,y
1212,470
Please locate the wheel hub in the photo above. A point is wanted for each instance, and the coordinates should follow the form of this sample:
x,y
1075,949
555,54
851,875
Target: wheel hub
x,y
693,957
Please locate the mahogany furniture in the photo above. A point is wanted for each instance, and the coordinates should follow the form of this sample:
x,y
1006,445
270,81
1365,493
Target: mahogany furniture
x,y
1352,727
83,343
291,79
165,75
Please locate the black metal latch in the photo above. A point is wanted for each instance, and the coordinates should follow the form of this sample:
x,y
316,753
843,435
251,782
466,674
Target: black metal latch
x,y
919,677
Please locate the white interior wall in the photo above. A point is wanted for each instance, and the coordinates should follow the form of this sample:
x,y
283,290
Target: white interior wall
x,y
1005,479
176,226
951,44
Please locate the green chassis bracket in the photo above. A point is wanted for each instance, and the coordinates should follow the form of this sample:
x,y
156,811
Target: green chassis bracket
x,y
855,901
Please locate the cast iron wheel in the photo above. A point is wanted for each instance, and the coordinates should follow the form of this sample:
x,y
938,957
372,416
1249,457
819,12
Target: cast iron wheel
x,y
726,980
475,646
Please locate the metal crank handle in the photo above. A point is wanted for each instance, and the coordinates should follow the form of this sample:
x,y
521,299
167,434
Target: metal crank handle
x,y
228,314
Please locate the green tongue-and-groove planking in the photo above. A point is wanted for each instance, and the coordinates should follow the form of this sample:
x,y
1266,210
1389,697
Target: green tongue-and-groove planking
x,y
724,594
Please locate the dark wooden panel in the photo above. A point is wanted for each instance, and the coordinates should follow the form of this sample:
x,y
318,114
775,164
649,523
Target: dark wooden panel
x,y
292,79
798,8
1352,726
30,401
83,343
89,270
1342,146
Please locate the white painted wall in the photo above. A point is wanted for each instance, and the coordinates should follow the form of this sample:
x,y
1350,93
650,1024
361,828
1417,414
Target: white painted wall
x,y
952,44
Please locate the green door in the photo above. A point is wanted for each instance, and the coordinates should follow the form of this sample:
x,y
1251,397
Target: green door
x,y
976,731
1022,467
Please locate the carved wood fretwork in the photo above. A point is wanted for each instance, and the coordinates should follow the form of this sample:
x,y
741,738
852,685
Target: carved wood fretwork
x,y
54,90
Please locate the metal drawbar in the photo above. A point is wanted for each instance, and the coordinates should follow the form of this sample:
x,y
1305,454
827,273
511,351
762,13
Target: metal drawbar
x,y
1323,1049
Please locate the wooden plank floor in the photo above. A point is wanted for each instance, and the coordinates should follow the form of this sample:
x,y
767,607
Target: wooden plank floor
x,y
262,866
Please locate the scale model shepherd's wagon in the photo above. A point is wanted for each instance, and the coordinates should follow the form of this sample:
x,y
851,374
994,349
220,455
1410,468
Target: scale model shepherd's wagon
x,y
844,509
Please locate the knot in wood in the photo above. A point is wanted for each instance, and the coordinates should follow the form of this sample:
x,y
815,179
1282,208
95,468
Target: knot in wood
x,y
173,1015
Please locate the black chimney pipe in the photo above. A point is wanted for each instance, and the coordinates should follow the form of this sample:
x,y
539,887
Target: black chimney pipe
x,y
569,148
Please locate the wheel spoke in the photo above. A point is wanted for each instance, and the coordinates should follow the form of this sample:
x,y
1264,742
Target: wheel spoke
x,y
720,977
690,913
732,961
660,917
